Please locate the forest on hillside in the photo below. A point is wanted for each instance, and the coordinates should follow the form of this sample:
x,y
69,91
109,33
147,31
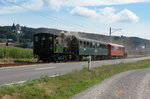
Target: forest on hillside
x,y
25,38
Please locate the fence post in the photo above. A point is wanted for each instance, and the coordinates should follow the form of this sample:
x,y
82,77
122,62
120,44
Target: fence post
x,y
89,62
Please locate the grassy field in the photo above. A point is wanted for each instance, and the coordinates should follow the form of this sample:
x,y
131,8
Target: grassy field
x,y
65,86
9,54
14,52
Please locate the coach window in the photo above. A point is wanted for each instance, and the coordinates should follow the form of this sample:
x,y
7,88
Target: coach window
x,y
80,43
112,47
97,45
93,44
100,45
120,48
103,46
84,43
88,44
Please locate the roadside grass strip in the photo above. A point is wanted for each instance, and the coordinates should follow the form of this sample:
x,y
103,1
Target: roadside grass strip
x,y
65,86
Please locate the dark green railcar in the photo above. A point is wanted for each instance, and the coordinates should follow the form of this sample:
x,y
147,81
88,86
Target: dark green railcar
x,y
96,49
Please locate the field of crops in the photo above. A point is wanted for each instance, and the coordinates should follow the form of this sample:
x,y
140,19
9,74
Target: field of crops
x,y
14,52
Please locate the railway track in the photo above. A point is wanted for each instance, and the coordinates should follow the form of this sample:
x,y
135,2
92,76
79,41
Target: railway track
x,y
36,63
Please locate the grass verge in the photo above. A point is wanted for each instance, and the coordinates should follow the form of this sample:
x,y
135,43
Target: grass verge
x,y
65,86
18,60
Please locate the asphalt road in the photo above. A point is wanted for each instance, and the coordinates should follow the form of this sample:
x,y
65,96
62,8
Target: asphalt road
x,y
10,75
127,85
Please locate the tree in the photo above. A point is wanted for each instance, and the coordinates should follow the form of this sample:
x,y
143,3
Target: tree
x,y
13,27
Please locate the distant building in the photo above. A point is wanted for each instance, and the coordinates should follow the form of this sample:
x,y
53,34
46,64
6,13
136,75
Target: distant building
x,y
18,28
7,42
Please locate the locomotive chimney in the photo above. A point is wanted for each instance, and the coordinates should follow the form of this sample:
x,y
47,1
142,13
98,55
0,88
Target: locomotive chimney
x,y
62,34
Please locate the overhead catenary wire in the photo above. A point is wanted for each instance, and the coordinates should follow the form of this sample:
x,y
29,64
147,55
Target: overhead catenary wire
x,y
53,18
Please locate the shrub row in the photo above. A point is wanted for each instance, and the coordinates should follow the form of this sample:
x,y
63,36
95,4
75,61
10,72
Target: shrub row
x,y
14,52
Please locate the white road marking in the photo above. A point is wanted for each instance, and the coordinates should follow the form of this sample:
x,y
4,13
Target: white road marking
x,y
20,82
14,67
45,68
16,82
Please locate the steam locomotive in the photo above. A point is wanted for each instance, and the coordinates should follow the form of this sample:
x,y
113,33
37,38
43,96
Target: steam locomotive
x,y
62,47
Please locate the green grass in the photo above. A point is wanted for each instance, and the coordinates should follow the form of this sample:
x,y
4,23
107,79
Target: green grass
x,y
15,53
19,60
65,86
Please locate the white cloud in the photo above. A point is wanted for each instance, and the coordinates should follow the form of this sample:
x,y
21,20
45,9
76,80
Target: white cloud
x,y
57,4
30,5
74,3
82,11
108,15
53,4
33,4
126,16
10,10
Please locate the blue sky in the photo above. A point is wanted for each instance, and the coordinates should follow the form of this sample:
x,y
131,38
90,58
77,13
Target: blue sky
x,y
94,16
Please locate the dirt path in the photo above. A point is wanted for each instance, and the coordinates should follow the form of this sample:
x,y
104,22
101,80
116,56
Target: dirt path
x,y
127,85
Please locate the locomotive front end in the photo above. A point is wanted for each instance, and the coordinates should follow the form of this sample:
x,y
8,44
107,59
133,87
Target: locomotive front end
x,y
44,46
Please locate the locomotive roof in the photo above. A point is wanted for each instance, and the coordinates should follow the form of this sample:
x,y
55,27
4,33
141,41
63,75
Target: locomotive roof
x,y
91,40
52,33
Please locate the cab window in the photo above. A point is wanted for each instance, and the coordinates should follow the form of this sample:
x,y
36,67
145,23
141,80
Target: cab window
x,y
36,38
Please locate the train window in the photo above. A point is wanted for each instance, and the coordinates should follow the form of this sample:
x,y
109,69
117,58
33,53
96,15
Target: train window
x,y
112,47
50,38
98,45
120,48
84,43
80,43
43,38
93,44
104,46
101,45
88,44
36,39
56,40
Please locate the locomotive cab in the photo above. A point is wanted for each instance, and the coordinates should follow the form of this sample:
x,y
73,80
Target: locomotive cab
x,y
50,47
44,45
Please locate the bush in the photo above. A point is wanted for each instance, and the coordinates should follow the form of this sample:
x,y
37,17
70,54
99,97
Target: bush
x,y
14,52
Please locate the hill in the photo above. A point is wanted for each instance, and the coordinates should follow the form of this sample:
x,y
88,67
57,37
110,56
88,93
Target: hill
x,y
134,45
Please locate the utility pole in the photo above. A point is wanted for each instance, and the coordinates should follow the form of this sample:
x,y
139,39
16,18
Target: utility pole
x,y
89,62
113,30
110,31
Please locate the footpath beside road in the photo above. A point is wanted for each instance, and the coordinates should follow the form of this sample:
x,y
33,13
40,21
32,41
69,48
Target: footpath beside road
x,y
134,84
